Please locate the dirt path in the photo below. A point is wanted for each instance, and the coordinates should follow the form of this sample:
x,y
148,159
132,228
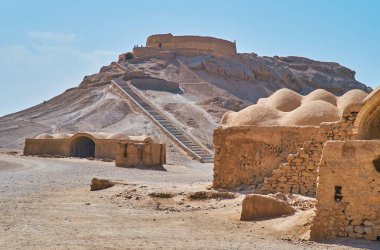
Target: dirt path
x,y
46,204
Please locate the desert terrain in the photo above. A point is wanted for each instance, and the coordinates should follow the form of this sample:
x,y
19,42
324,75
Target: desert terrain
x,y
47,204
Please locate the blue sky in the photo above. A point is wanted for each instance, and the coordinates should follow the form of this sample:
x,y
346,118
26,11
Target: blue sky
x,y
49,46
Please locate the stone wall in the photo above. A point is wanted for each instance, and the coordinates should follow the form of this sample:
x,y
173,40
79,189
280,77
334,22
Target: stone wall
x,y
341,130
53,147
105,149
245,155
145,51
147,154
206,45
299,174
348,193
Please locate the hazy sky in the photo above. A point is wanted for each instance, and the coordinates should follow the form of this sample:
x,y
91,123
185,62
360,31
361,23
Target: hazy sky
x,y
49,46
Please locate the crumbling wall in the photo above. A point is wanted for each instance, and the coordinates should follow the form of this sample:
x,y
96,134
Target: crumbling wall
x,y
245,155
299,174
341,130
348,200
186,44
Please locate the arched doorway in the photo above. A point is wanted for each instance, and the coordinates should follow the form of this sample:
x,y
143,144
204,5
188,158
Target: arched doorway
x,y
82,147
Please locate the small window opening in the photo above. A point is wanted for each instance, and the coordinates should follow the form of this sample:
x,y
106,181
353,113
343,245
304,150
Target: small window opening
x,y
376,164
338,193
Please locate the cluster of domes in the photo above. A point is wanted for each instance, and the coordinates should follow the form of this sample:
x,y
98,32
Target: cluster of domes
x,y
288,108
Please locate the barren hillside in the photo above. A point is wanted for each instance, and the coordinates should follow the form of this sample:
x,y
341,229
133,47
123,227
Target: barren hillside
x,y
207,88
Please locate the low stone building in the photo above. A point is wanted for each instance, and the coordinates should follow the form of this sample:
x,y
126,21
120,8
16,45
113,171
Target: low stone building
x,y
136,150
338,161
279,140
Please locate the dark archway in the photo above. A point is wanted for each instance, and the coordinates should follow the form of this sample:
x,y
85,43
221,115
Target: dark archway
x,y
82,147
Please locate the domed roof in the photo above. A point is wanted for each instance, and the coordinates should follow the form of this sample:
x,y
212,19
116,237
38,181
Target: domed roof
x,y
284,100
312,113
44,136
140,138
350,97
287,108
62,136
320,94
118,136
252,115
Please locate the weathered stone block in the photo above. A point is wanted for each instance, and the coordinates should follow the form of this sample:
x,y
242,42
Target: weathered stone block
x,y
259,206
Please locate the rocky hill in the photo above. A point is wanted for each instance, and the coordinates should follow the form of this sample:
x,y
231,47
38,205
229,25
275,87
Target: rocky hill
x,y
194,90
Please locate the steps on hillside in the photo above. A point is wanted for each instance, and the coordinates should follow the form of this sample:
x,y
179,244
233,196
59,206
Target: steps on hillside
x,y
179,136
126,67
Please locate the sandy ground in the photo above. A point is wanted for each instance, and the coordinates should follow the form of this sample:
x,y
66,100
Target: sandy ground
x,y
45,203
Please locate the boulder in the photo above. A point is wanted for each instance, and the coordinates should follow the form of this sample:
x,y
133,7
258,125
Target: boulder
x,y
257,206
100,184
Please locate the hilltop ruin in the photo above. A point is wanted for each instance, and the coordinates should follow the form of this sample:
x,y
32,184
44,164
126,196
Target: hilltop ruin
x,y
185,46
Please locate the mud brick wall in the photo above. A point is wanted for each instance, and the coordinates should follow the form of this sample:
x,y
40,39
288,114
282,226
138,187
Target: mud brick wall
x,y
299,174
245,155
348,193
341,130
